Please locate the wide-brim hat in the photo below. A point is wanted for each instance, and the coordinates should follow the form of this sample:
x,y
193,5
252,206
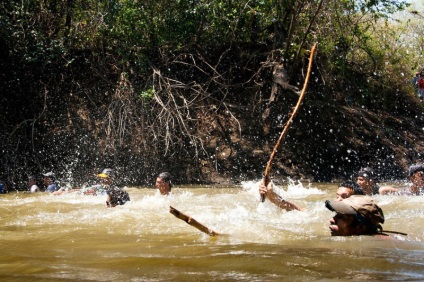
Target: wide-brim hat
x,y
358,205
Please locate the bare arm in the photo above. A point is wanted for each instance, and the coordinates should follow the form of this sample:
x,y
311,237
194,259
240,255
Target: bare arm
x,y
387,190
275,198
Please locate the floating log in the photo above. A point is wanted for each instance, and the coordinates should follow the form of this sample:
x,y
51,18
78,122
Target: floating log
x,y
192,221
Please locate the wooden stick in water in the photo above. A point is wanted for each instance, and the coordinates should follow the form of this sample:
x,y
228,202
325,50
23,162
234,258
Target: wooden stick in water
x,y
288,123
192,221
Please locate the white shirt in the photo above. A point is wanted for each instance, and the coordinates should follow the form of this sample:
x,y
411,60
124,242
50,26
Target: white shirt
x,y
34,188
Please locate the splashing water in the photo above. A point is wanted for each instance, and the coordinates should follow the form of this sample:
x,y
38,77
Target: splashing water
x,y
75,237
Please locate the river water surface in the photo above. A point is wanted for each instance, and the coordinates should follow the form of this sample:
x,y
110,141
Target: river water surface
x,y
76,238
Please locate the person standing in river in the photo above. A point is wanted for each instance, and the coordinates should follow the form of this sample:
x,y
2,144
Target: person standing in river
x,y
115,195
32,184
414,188
163,183
367,179
49,180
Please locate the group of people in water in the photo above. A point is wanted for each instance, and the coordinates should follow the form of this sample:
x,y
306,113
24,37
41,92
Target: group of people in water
x,y
356,212
105,186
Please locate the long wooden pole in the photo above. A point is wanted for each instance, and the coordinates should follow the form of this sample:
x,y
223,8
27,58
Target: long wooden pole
x,y
289,122
191,221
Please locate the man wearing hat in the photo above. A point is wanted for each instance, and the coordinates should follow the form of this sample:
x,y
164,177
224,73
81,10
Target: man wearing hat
x,y
115,195
49,179
356,215
105,179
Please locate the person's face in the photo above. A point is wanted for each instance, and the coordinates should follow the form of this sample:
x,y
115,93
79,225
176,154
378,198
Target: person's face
x,y
343,193
418,178
341,225
46,181
364,183
162,186
106,180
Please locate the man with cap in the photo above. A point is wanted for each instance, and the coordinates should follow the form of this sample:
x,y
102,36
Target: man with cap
x,y
356,215
105,179
49,179
115,195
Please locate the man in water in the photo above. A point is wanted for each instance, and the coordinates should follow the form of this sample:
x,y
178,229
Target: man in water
x,y
105,179
347,189
356,215
115,195
416,186
367,179
32,184
49,179
163,183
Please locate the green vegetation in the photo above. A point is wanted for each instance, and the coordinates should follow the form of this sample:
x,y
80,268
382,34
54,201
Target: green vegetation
x,y
149,85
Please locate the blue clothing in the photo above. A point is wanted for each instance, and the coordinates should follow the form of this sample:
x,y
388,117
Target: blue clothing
x,y
51,188
2,188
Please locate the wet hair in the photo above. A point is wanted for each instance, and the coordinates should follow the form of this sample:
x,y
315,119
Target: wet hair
x,y
32,177
368,173
414,168
166,177
357,190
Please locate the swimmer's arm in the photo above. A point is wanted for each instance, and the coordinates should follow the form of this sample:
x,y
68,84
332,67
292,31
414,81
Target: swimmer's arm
x,y
280,202
275,198
387,190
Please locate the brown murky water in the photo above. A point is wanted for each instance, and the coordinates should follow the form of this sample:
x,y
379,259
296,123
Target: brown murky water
x,y
75,238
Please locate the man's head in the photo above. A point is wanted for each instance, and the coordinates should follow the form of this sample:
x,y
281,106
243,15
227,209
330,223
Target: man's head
x,y
413,169
416,175
106,176
163,183
346,189
367,179
356,215
32,178
48,178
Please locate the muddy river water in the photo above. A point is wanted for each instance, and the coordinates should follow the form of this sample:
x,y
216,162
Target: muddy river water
x,y
74,237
